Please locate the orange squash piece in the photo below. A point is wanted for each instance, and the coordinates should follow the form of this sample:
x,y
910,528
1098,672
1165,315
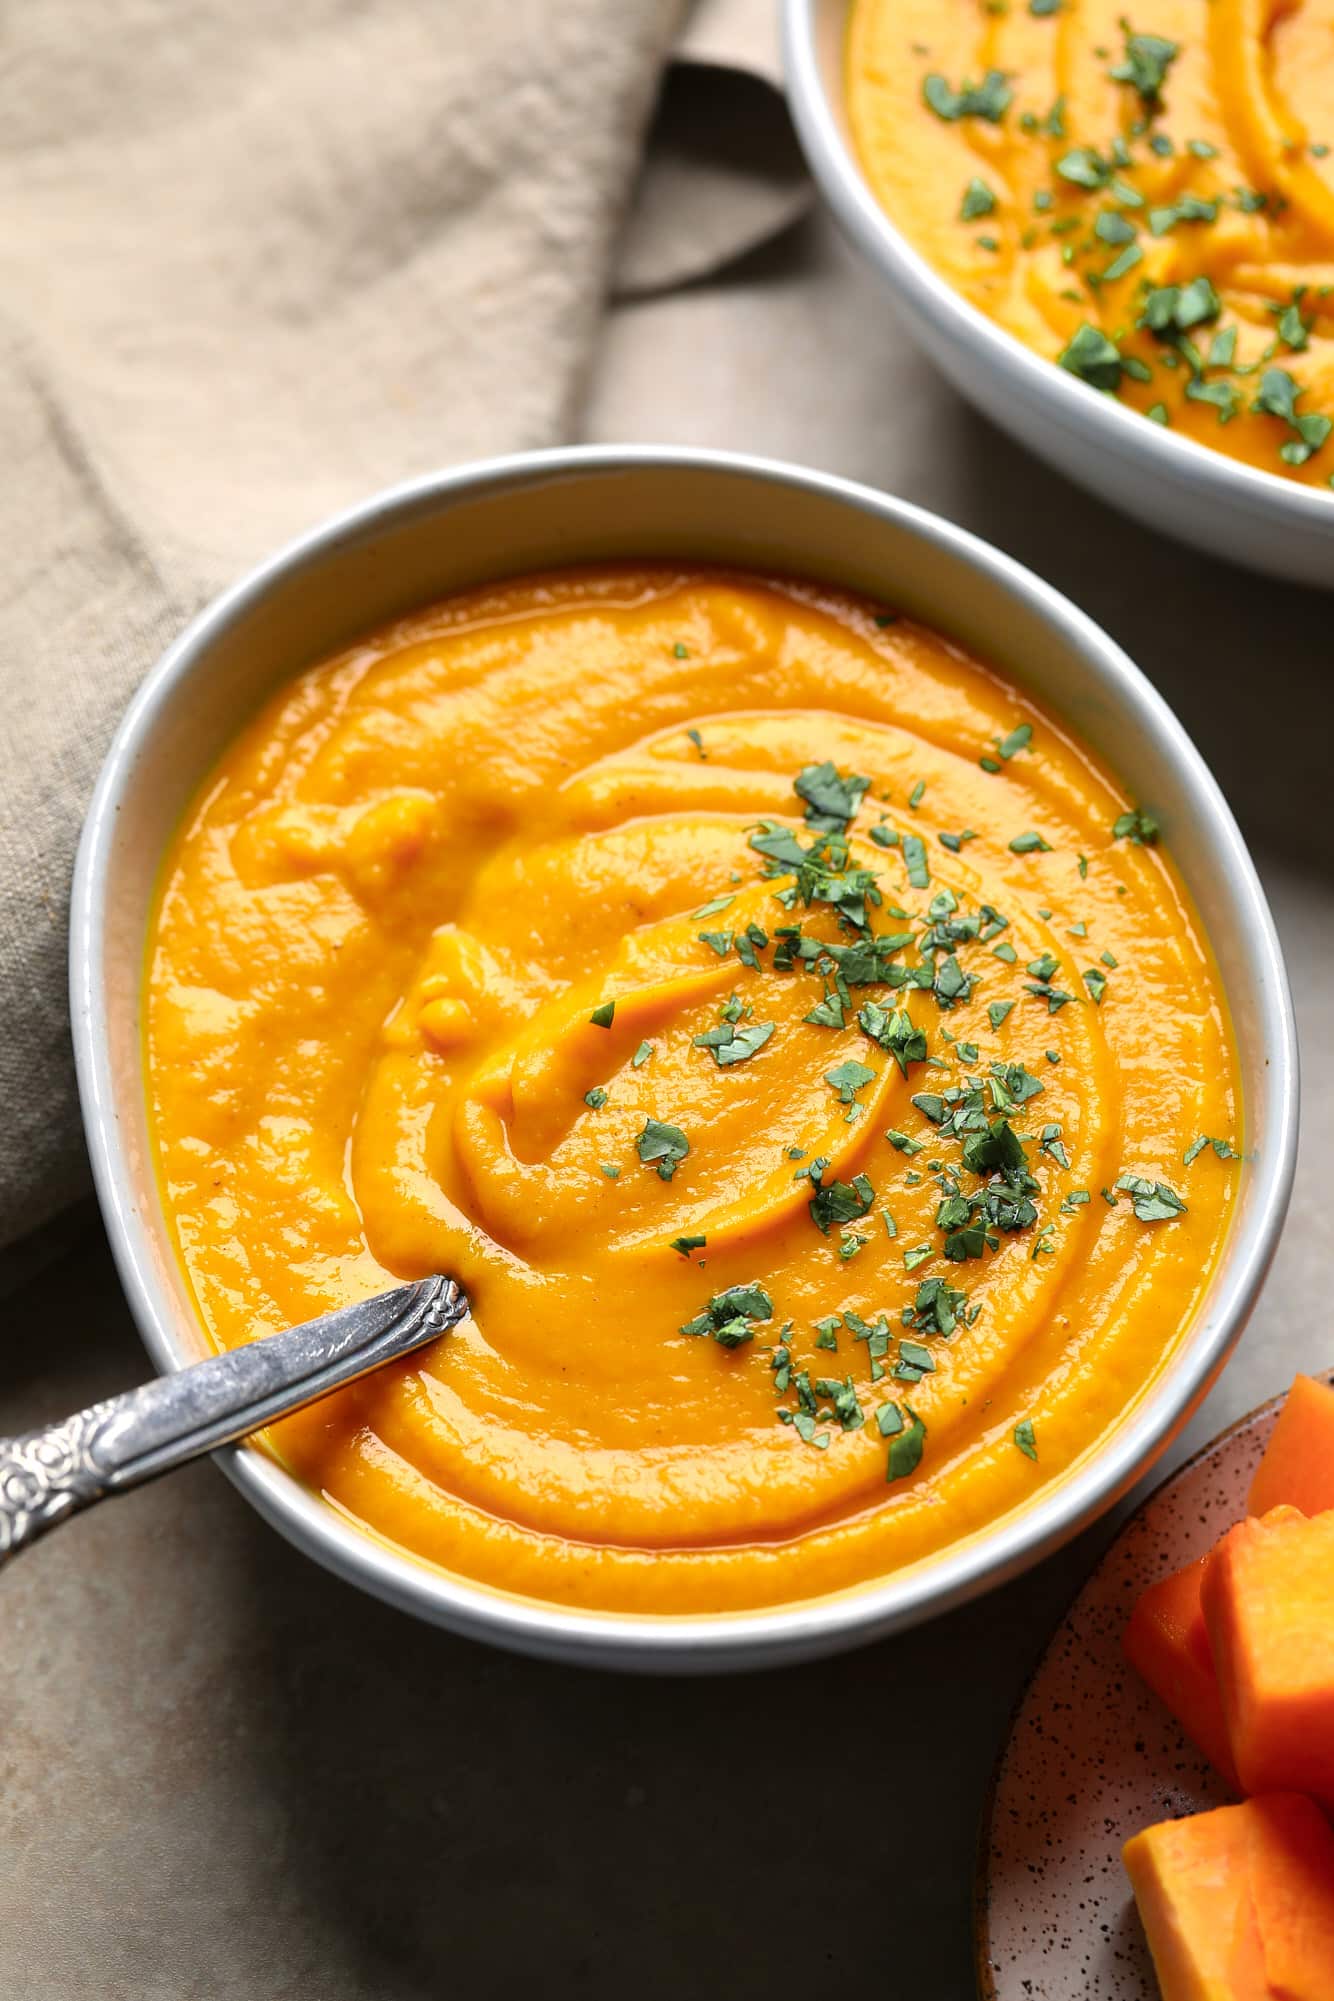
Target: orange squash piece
x,y
1297,1469
1291,1868
1268,1600
1167,1643
1189,1878
1238,1904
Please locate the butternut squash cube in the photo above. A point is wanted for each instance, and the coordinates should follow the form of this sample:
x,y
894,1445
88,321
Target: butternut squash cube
x,y
1297,1469
1238,1904
1268,1600
1167,1643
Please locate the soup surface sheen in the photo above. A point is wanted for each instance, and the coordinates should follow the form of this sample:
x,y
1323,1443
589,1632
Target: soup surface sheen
x,y
614,940
1147,199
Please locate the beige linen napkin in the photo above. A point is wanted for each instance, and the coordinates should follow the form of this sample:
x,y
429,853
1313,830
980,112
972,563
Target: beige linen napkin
x,y
256,261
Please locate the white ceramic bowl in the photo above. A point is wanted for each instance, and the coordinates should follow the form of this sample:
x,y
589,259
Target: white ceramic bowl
x,y
416,542
1155,474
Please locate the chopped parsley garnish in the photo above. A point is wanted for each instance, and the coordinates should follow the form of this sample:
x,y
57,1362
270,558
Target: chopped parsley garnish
x,y
1095,359
848,1078
596,1098
733,1041
997,1011
905,1450
978,200
914,857
1029,844
1096,982
914,1362
731,1316
1172,309
1188,208
1018,739
831,801
641,1056
1277,397
903,1142
1152,1201
1137,826
698,742
894,1032
662,1147
717,941
718,903
685,1245
989,99
1222,1147
840,1201
1145,64
1024,1439
601,1017
612,1173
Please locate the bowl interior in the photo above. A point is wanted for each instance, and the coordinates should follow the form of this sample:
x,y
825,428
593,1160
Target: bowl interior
x,y
420,542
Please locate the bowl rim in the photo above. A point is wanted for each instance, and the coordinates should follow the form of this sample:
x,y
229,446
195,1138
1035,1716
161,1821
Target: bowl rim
x,y
1109,423
702,1641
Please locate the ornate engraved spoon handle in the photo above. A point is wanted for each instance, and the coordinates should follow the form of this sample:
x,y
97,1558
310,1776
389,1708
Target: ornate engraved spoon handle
x,y
46,1475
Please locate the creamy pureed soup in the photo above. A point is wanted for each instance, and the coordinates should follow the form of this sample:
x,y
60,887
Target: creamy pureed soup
x,y
1145,197
798,1045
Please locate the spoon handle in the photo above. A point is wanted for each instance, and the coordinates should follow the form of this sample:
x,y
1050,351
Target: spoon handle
x,y
46,1475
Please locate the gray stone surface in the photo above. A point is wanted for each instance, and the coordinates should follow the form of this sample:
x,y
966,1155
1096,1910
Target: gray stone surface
x,y
223,1774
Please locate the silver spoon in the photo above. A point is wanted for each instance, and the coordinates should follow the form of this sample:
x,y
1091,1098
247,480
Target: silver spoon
x,y
46,1475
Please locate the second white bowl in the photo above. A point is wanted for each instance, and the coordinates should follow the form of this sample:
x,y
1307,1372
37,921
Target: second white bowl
x,y
1222,506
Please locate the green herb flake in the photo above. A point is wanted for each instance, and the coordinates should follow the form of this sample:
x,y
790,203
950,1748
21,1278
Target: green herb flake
x,y
1019,738
1024,1439
612,1173
903,1142
662,1147
685,1245
989,99
840,1202
596,1098
1029,844
712,909
1222,1147
732,1042
978,200
603,1016
914,856
730,1316
905,1451
1096,982
1152,1201
1137,826
641,1056
1145,64
831,801
848,1078
997,1012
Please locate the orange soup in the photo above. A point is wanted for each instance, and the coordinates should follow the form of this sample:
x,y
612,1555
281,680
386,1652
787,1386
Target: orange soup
x,y
1146,199
799,1046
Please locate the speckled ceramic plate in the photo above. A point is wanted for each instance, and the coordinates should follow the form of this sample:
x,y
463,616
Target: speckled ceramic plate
x,y
1093,1757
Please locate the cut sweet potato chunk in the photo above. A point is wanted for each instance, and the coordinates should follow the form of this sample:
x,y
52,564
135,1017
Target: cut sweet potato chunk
x,y
1238,1904
1291,1869
1297,1469
1167,1643
1268,1600
1190,1883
